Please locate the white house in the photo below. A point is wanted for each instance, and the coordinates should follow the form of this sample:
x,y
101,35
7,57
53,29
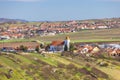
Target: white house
x,y
4,37
102,27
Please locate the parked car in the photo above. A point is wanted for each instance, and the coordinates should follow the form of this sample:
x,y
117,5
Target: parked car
x,y
8,49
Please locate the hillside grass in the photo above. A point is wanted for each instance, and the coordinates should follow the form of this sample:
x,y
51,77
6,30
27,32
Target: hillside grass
x,y
34,66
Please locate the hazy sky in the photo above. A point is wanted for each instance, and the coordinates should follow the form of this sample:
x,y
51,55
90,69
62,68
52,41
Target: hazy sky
x,y
58,10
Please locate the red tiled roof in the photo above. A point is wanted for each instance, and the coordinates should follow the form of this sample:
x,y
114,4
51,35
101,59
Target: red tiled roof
x,y
56,43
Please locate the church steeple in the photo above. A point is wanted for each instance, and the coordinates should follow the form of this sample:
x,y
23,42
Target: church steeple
x,y
67,43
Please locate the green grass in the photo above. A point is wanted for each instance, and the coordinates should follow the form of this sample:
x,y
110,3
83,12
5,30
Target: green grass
x,y
27,61
15,40
44,59
97,40
63,60
18,73
7,62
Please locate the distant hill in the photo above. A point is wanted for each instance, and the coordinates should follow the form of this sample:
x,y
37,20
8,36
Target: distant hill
x,y
5,20
110,22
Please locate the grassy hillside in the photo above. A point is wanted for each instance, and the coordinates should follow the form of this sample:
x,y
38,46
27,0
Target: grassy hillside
x,y
33,66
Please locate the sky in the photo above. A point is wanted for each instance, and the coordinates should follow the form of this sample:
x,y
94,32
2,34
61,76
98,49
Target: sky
x,y
59,10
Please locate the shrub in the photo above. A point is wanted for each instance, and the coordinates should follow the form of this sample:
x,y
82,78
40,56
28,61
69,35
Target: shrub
x,y
72,47
23,48
37,48
42,45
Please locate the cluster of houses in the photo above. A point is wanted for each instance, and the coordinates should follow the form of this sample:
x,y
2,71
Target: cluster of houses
x,y
19,47
93,49
59,46
14,32
25,30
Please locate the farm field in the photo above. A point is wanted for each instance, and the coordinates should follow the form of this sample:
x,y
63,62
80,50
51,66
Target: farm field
x,y
102,35
18,44
85,36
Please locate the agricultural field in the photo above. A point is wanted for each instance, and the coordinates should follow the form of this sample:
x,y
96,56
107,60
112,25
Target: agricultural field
x,y
17,44
101,35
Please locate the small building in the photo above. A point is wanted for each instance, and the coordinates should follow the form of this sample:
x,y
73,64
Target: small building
x,y
102,27
41,32
4,37
57,46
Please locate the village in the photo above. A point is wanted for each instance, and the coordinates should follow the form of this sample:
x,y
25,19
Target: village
x,y
59,39
58,46
61,55
94,56
25,30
